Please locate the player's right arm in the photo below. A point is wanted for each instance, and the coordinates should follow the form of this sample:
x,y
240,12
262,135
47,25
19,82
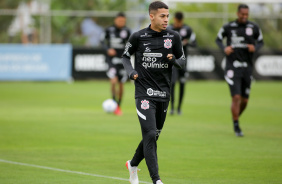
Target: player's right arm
x,y
105,42
259,39
104,39
130,49
221,34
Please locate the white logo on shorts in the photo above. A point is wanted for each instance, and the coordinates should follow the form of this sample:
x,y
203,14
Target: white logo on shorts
x,y
145,104
230,73
112,73
247,91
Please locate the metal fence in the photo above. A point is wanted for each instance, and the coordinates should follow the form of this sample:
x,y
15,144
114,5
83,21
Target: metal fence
x,y
135,19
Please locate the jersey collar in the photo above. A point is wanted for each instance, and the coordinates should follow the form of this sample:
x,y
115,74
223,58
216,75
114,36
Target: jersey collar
x,y
241,24
155,32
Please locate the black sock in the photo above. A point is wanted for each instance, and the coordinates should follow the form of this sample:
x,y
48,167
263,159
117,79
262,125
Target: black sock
x,y
181,94
236,125
155,181
133,164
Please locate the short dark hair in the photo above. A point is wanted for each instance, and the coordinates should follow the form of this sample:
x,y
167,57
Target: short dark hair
x,y
154,6
242,6
120,14
179,15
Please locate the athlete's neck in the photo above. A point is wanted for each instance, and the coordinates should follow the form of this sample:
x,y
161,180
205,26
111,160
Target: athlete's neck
x,y
178,25
155,28
241,22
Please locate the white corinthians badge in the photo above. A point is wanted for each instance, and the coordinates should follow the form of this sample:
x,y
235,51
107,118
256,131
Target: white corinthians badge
x,y
167,43
145,104
249,31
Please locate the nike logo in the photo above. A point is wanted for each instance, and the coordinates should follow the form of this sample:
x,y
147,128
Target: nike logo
x,y
146,44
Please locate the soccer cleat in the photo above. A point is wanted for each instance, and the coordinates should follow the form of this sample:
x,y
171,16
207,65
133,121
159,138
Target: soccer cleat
x,y
171,112
239,134
118,111
179,112
159,182
133,179
238,131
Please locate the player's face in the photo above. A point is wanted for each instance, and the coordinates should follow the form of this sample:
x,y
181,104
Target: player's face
x,y
120,22
159,19
243,15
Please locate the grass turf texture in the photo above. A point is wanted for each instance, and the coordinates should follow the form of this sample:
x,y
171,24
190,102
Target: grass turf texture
x,y
61,125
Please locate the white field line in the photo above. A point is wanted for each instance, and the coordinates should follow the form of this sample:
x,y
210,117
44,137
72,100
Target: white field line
x,y
66,171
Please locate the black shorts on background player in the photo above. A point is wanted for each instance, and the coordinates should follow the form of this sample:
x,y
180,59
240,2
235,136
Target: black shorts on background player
x,y
116,70
239,80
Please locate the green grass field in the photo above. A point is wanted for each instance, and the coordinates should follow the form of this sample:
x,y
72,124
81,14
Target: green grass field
x,y
56,125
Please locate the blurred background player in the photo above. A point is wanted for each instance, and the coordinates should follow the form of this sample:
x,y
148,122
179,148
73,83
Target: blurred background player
x,y
113,41
188,38
243,39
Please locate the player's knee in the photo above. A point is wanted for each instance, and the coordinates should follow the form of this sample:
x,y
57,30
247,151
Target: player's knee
x,y
114,80
236,98
151,135
244,101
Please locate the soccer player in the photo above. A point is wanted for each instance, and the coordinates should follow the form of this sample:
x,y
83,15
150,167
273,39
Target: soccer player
x,y
113,41
243,39
156,50
188,38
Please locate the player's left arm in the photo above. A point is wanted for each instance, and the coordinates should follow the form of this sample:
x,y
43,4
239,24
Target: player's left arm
x,y
259,39
177,58
258,43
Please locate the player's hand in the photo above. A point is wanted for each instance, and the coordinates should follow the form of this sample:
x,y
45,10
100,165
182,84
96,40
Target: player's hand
x,y
184,42
228,50
170,57
251,48
135,76
111,52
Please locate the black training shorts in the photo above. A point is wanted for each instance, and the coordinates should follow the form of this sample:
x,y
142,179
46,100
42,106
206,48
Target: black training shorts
x,y
239,80
116,69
